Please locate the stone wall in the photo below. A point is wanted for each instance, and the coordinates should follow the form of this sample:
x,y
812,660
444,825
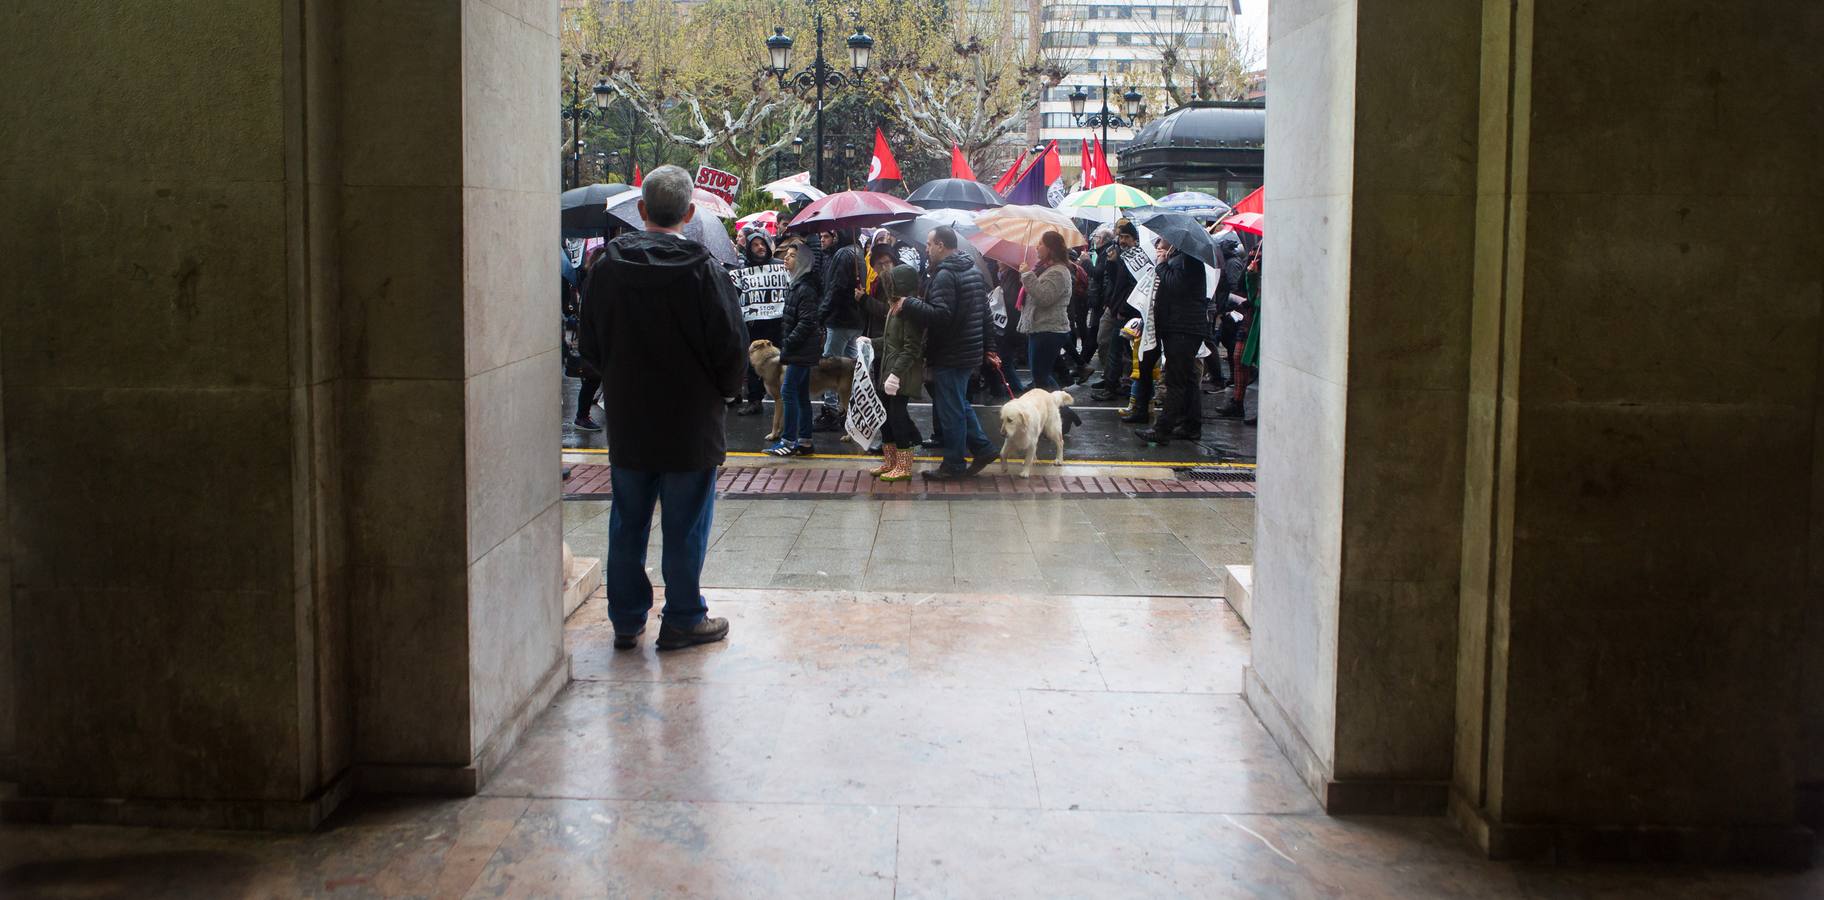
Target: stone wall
x,y
278,369
1303,361
1644,429
155,388
1364,374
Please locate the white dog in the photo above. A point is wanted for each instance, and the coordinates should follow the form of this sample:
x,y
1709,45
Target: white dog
x,y
1024,419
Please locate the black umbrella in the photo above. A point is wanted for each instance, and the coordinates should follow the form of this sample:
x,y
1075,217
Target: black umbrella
x,y
955,193
1181,231
585,213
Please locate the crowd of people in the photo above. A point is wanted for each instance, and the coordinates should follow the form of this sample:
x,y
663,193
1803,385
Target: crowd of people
x,y
940,317
1067,318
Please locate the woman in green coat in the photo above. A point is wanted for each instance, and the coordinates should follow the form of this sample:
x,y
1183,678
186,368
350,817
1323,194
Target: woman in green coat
x,y
1250,355
902,373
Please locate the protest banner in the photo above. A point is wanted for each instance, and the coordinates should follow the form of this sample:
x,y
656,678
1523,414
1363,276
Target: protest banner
x,y
722,184
866,411
997,309
763,290
1139,264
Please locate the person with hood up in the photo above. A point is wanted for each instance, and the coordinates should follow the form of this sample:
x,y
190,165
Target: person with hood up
x,y
1117,284
800,349
1230,284
757,250
902,371
844,271
660,306
954,312
1181,317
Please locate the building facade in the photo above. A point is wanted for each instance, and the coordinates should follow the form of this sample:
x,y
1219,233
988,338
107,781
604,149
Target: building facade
x,y
1119,41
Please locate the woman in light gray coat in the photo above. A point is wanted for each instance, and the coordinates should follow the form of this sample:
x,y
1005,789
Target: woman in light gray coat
x,y
1045,317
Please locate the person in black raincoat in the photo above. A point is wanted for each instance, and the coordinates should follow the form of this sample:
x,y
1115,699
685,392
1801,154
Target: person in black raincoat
x,y
1181,319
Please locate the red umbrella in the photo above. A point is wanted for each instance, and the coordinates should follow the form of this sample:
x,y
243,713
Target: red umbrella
x,y
1254,202
853,209
1251,222
767,219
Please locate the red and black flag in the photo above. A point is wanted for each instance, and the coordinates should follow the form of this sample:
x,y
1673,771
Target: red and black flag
x,y
882,169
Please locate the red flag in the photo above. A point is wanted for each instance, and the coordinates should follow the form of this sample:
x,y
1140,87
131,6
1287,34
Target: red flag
x,y
1254,203
882,168
1013,174
1086,172
637,177
1054,174
1107,174
959,164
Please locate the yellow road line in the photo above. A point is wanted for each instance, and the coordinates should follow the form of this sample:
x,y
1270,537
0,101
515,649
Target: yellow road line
x,y
1108,463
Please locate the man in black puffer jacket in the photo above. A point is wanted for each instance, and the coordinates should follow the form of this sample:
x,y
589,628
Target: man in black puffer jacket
x,y
1180,313
954,313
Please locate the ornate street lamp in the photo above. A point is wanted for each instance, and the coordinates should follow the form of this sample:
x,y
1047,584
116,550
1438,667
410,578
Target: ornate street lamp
x,y
593,105
820,75
860,48
1132,103
779,47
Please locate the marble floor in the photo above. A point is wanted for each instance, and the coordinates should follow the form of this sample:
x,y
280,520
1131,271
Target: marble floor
x,y
857,740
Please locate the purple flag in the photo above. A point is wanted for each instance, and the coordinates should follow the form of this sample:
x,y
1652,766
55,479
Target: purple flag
x,y
1031,189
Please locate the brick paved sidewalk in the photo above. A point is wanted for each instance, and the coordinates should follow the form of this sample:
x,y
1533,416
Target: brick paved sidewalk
x,y
591,482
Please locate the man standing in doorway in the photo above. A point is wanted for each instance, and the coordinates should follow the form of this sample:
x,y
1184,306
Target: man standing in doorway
x,y
954,313
660,306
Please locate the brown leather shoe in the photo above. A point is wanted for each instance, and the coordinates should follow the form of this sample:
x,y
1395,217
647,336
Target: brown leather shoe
x,y
707,631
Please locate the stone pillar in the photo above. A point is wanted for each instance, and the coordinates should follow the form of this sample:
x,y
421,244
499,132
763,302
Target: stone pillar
x,y
1641,530
448,216
168,402
279,364
1370,214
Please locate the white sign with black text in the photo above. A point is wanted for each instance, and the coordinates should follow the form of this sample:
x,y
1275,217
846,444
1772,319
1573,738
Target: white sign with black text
x,y
866,412
763,290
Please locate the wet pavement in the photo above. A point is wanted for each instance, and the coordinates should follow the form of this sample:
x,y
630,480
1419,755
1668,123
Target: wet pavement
x,y
1102,437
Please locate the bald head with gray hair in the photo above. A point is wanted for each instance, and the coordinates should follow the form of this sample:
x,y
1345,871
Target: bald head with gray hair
x,y
665,197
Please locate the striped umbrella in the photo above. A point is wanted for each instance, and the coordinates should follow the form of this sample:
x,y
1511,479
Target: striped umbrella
x,y
1117,196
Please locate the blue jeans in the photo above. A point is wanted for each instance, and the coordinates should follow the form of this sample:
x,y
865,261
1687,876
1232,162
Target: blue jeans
x,y
837,342
688,500
795,399
961,429
1008,344
1042,350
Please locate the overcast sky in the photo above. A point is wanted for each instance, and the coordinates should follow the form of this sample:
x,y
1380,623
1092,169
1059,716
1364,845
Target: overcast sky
x,y
1252,23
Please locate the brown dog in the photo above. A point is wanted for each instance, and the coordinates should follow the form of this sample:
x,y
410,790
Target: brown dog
x,y
835,373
